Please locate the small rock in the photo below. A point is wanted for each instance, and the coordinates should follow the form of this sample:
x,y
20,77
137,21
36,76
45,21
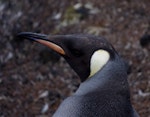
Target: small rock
x,y
128,46
45,108
77,6
57,16
39,77
143,94
2,7
44,94
145,40
9,56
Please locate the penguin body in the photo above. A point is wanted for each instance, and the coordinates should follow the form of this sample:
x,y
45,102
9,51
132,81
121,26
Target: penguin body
x,y
100,97
104,91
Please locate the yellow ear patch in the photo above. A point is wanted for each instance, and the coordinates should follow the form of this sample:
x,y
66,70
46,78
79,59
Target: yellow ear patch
x,y
98,60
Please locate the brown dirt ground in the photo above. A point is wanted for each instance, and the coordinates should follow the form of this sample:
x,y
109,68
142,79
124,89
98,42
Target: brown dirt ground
x,y
34,80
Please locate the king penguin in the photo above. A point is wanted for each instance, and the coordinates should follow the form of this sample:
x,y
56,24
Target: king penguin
x,y
104,90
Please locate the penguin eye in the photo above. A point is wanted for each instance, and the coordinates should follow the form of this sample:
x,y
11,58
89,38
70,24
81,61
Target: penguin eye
x,y
76,52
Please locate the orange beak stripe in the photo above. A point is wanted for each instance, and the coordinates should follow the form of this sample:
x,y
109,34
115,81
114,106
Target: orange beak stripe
x,y
52,46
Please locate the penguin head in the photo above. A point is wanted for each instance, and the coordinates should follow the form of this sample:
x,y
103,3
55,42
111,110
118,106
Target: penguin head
x,y
86,54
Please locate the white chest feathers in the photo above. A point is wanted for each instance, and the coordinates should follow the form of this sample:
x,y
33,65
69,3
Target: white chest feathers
x,y
98,60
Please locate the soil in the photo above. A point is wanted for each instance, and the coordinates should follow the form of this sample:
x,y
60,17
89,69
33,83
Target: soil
x,y
34,80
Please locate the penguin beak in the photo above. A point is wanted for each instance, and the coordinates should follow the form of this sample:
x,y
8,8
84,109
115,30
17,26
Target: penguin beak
x,y
45,40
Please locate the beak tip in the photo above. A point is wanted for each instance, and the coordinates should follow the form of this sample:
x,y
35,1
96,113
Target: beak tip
x,y
31,36
23,35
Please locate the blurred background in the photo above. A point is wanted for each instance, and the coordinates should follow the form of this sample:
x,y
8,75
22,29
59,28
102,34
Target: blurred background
x,y
34,80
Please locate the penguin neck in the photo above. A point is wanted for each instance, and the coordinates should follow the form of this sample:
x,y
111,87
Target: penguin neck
x,y
112,76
